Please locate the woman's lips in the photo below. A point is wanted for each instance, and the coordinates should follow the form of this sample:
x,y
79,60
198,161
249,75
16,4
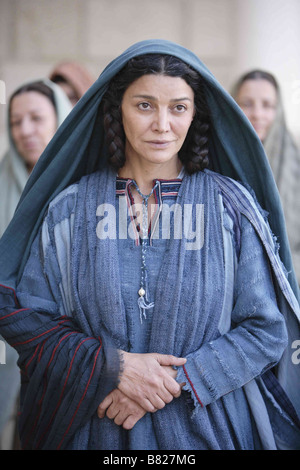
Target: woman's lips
x,y
159,143
30,144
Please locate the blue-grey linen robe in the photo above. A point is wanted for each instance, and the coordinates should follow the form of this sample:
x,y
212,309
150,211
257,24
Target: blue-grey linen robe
x,y
229,310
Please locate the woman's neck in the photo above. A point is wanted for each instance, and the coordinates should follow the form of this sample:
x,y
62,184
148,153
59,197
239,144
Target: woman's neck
x,y
144,174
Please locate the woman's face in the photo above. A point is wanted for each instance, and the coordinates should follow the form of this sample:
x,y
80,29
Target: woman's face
x,y
33,123
157,112
258,99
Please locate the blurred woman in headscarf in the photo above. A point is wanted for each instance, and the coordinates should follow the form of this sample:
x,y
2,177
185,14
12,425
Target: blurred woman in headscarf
x,y
73,78
35,111
258,94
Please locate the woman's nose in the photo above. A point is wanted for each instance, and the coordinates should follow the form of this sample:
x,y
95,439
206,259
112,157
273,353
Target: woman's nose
x,y
257,112
26,127
161,121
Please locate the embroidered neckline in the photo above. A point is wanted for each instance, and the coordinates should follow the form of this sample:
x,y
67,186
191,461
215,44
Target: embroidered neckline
x,y
165,188
160,190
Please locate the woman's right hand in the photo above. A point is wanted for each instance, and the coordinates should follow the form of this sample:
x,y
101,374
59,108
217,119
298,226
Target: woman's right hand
x,y
147,381
124,411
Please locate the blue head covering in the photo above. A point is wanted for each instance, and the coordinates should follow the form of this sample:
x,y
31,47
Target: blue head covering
x,y
78,148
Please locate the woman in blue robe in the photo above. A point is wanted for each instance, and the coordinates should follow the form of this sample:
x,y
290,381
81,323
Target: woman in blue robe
x,y
180,334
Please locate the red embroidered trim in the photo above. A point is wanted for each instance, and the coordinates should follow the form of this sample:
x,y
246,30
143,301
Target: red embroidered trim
x,y
193,388
42,334
84,393
12,313
65,383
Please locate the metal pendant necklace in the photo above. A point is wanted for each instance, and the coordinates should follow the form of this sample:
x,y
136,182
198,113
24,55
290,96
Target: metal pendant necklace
x,y
143,302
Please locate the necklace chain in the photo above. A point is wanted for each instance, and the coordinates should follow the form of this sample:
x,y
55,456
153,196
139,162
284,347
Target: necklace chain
x,y
145,198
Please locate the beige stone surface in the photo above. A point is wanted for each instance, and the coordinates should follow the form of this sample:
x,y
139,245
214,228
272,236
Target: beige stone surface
x,y
114,25
47,29
212,26
228,35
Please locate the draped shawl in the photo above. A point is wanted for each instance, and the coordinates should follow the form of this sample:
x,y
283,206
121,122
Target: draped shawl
x,y
77,149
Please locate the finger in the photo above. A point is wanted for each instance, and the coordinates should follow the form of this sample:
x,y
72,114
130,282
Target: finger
x,y
158,403
169,360
120,418
104,405
130,422
177,395
112,412
147,405
172,386
165,396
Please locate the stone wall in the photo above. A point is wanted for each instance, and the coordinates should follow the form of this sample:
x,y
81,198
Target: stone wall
x,y
228,35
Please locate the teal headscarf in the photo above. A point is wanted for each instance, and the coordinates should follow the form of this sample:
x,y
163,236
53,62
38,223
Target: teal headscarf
x,y
78,148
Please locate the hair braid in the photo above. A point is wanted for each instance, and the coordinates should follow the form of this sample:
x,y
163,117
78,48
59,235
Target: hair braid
x,y
195,154
115,136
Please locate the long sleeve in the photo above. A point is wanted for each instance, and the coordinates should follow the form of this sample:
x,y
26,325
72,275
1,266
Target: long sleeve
x,y
66,372
257,337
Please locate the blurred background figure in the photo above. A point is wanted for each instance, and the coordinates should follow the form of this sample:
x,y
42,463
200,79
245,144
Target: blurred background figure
x,y
73,78
258,94
35,111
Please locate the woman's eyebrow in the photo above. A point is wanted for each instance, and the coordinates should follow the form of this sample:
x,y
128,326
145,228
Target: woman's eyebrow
x,y
153,98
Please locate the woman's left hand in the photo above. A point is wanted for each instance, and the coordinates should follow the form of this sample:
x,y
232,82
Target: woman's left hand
x,y
124,411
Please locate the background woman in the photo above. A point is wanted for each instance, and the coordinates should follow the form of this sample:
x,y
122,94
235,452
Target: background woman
x,y
35,111
152,341
73,78
258,94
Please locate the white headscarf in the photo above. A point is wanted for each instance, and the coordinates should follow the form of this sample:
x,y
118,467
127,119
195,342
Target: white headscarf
x,y
284,158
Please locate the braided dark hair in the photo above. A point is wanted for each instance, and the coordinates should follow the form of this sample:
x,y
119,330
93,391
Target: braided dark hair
x,y
194,152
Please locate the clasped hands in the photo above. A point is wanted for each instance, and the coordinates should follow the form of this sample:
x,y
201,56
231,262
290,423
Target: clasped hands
x,y
147,384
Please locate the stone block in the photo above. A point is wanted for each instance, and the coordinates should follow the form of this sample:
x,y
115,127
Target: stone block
x,y
114,25
212,26
7,21
47,29
15,74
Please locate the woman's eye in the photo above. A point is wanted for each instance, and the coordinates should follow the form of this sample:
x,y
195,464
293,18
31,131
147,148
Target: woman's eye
x,y
180,108
15,123
36,118
144,106
246,104
267,105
